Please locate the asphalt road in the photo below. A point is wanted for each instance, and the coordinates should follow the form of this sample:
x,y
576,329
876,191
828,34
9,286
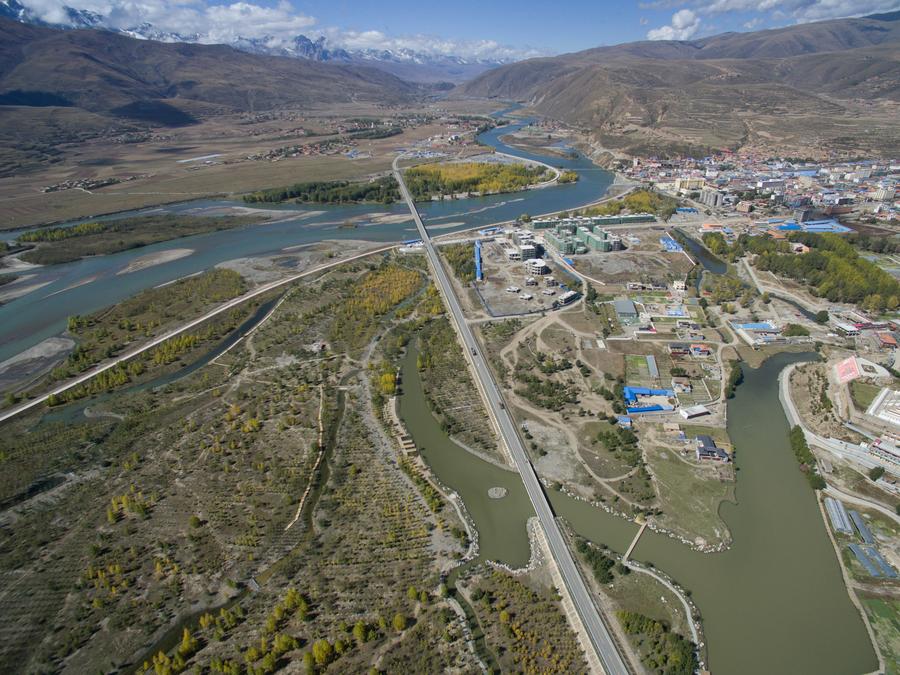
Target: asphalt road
x,y
599,635
837,447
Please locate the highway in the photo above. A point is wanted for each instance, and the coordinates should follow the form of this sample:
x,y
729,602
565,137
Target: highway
x,y
596,629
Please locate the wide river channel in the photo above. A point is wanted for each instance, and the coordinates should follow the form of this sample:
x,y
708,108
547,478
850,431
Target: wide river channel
x,y
774,602
90,284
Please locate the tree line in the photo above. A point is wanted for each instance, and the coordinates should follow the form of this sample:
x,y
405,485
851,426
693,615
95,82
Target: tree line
x,y
833,268
383,190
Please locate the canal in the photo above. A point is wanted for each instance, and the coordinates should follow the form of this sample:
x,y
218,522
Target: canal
x,y
774,602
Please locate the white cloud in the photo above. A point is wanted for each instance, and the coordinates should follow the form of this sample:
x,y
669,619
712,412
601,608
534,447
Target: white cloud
x,y
429,44
796,10
685,24
278,24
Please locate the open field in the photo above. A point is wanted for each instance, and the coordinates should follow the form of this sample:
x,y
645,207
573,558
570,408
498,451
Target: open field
x,y
883,613
617,267
159,168
863,394
690,493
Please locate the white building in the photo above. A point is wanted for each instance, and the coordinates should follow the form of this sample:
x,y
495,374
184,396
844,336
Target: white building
x,y
537,267
884,194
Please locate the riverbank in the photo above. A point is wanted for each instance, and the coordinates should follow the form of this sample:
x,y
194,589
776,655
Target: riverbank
x,y
779,553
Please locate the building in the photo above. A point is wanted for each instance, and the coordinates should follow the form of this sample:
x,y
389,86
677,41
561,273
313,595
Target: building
x,y
700,350
840,521
688,184
887,341
846,329
625,309
707,449
527,251
682,385
886,450
694,411
713,198
566,298
513,254
679,349
537,267
884,194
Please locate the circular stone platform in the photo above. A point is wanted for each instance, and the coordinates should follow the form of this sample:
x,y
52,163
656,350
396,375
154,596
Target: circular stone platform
x,y
497,492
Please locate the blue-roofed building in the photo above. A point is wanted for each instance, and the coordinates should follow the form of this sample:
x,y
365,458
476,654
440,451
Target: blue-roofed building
x,y
861,527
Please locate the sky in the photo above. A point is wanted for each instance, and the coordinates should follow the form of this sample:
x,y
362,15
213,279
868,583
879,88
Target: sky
x,y
486,29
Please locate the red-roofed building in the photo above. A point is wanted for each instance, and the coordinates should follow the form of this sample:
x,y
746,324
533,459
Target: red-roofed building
x,y
887,340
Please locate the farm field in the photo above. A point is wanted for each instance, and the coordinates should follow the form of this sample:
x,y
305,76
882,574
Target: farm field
x,y
244,151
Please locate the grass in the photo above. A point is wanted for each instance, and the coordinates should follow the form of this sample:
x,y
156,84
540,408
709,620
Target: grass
x,y
690,495
718,434
641,593
636,369
883,614
863,394
450,390
601,461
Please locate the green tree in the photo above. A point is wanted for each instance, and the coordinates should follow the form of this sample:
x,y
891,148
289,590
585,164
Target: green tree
x,y
322,652
399,622
359,632
876,472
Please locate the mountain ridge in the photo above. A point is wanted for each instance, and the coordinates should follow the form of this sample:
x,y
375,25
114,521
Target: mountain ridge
x,y
107,72
415,66
722,92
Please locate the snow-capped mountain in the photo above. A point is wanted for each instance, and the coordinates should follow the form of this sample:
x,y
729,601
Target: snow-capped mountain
x,y
408,63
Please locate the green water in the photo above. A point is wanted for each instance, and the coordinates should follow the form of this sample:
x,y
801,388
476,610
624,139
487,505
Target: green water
x,y
773,603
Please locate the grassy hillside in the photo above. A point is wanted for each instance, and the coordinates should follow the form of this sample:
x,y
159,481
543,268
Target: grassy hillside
x,y
145,80
796,89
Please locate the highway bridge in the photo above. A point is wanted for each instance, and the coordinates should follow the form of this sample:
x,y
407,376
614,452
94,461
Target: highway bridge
x,y
597,631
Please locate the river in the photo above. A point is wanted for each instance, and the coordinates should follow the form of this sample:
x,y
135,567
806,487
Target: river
x,y
90,284
775,602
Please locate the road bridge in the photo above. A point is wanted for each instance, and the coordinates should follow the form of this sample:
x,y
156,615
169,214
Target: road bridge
x,y
597,631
